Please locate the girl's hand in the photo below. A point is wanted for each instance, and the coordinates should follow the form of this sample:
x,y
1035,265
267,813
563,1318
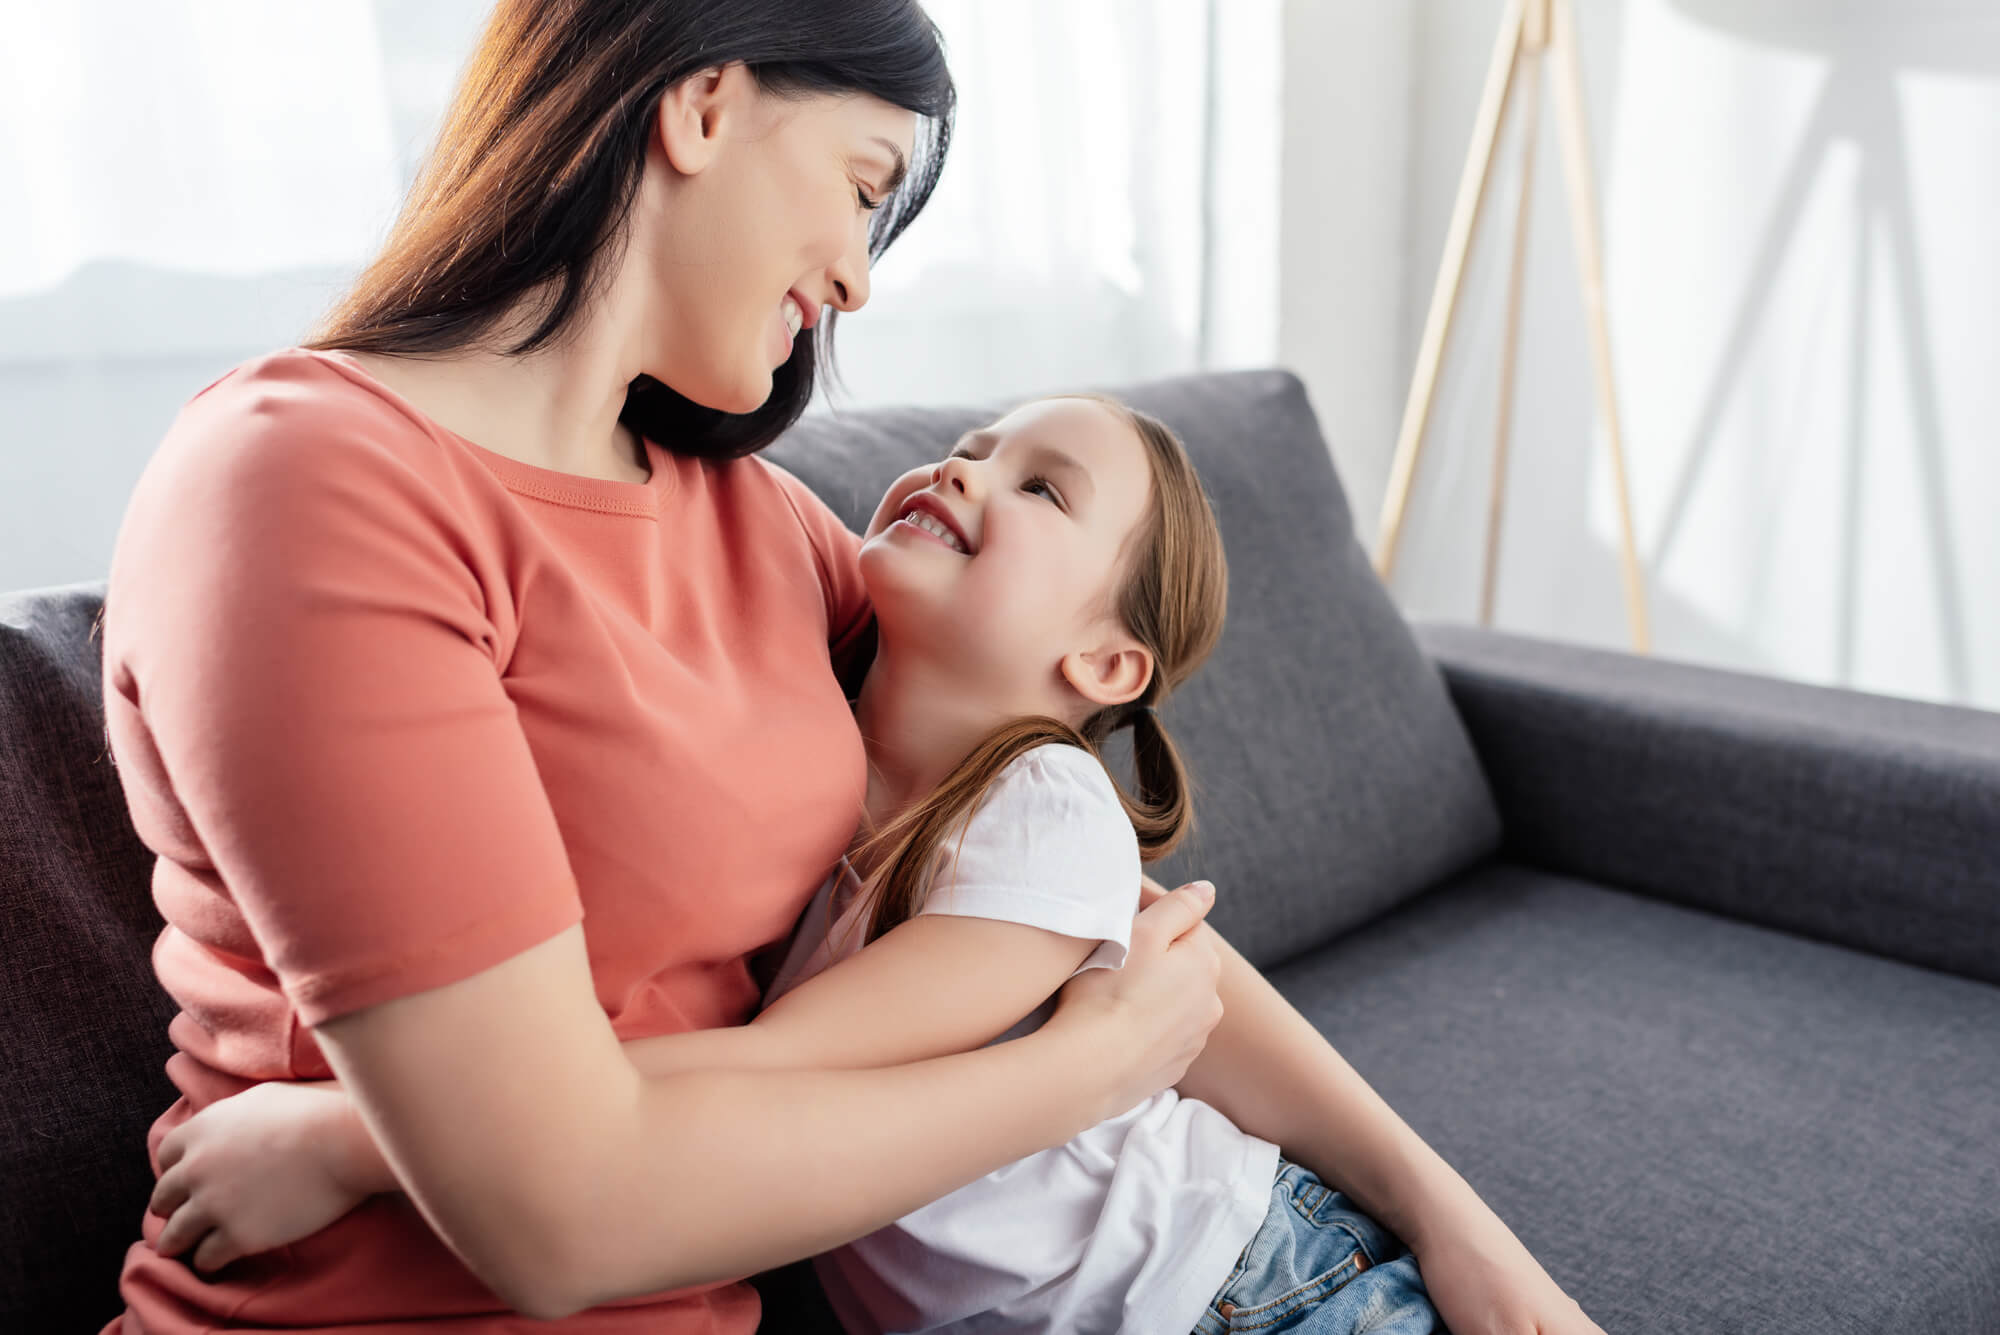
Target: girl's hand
x,y
1154,1015
1483,1282
269,1166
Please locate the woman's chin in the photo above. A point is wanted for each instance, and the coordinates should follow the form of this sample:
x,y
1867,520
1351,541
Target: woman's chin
x,y
737,395
746,397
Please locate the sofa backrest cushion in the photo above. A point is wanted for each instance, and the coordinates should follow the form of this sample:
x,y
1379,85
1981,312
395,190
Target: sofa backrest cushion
x,y
1335,780
83,1023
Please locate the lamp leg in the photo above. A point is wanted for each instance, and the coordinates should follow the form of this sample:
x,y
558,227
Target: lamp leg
x,y
1444,298
1534,38
1590,263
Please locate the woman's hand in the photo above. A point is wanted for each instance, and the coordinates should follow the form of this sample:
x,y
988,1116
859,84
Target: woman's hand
x,y
1483,1282
1156,1013
269,1166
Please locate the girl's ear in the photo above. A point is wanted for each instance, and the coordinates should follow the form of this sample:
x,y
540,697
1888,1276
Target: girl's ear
x,y
1117,671
694,111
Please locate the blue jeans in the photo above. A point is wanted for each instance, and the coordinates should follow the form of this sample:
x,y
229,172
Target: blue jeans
x,y
1320,1267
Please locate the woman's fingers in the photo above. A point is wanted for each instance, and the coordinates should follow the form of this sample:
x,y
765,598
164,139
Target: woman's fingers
x,y
1173,915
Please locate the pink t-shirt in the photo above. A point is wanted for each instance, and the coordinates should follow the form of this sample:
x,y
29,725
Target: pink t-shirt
x,y
392,708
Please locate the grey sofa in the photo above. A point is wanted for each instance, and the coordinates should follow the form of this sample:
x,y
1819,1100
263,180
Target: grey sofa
x,y
1695,976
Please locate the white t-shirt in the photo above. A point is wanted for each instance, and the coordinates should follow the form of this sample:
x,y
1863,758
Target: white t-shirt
x,y
1131,1226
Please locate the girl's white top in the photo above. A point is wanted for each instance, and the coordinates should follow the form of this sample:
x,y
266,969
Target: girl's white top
x,y
1133,1225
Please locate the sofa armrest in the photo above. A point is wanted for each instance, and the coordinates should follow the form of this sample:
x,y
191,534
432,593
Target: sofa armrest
x,y
1859,819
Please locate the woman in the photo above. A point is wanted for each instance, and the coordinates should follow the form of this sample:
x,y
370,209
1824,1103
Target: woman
x,y
479,699
477,690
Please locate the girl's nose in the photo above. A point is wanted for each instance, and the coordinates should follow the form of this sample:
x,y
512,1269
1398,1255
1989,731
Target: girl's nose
x,y
958,473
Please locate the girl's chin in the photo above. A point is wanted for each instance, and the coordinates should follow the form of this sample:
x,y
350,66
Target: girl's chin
x,y
897,590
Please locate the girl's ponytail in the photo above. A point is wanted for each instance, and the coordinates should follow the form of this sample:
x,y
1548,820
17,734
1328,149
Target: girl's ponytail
x,y
1162,808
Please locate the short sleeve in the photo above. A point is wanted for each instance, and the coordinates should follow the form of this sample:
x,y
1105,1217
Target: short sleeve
x,y
838,549
1049,847
301,660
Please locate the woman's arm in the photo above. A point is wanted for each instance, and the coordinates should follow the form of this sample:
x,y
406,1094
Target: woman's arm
x,y
1276,1077
637,1184
282,1160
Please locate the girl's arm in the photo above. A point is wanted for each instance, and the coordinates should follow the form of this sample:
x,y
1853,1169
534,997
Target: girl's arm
x,y
935,984
640,1183
1276,1077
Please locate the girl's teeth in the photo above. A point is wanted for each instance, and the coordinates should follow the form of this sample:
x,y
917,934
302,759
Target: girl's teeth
x,y
917,519
794,317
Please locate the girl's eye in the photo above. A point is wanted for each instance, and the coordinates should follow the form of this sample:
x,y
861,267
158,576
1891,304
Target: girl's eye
x,y
870,204
1045,487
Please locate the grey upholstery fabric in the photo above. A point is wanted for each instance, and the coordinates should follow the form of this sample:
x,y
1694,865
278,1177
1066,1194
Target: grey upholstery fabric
x,y
1853,818
83,1024
1336,781
1696,1125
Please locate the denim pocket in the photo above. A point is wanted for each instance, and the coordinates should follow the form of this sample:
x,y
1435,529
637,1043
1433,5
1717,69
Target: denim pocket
x,y
1279,1313
1307,1250
1323,1207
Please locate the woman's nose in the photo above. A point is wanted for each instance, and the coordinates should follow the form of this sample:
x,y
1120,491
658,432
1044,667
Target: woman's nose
x,y
849,274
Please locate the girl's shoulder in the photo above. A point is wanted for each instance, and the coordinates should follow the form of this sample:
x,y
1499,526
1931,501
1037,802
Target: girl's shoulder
x,y
1055,781
1049,844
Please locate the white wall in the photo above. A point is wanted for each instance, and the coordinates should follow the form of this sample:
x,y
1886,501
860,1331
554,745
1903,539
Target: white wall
x,y
1807,403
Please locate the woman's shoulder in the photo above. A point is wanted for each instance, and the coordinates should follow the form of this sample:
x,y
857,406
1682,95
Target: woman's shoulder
x,y
766,478
303,380
297,399
282,469
291,425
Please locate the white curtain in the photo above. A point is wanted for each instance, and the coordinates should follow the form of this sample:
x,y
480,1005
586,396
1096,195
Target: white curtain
x,y
1109,208
186,183
189,136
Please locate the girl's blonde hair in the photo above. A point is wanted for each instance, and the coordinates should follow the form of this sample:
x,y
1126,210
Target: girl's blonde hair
x,y
1173,600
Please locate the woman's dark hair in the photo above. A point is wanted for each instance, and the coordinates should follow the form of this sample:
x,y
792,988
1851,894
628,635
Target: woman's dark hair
x,y
534,172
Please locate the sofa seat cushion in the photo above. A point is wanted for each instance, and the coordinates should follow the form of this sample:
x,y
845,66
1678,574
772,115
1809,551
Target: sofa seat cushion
x,y
1696,1125
1318,685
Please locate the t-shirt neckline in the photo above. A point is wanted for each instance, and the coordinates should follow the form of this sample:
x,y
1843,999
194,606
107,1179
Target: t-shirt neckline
x,y
548,484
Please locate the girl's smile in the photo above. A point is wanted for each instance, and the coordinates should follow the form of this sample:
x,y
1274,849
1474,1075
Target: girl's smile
x,y
931,516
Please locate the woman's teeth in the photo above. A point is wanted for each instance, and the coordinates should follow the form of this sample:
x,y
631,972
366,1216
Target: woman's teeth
x,y
918,519
794,317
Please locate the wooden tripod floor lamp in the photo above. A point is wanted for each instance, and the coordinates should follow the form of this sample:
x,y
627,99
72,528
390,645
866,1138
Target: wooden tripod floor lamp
x,y
1529,28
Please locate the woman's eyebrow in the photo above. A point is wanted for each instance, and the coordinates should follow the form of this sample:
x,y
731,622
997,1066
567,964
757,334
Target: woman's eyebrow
x,y
901,168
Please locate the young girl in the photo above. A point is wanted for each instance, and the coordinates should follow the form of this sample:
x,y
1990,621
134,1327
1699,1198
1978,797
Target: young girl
x,y
1046,585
